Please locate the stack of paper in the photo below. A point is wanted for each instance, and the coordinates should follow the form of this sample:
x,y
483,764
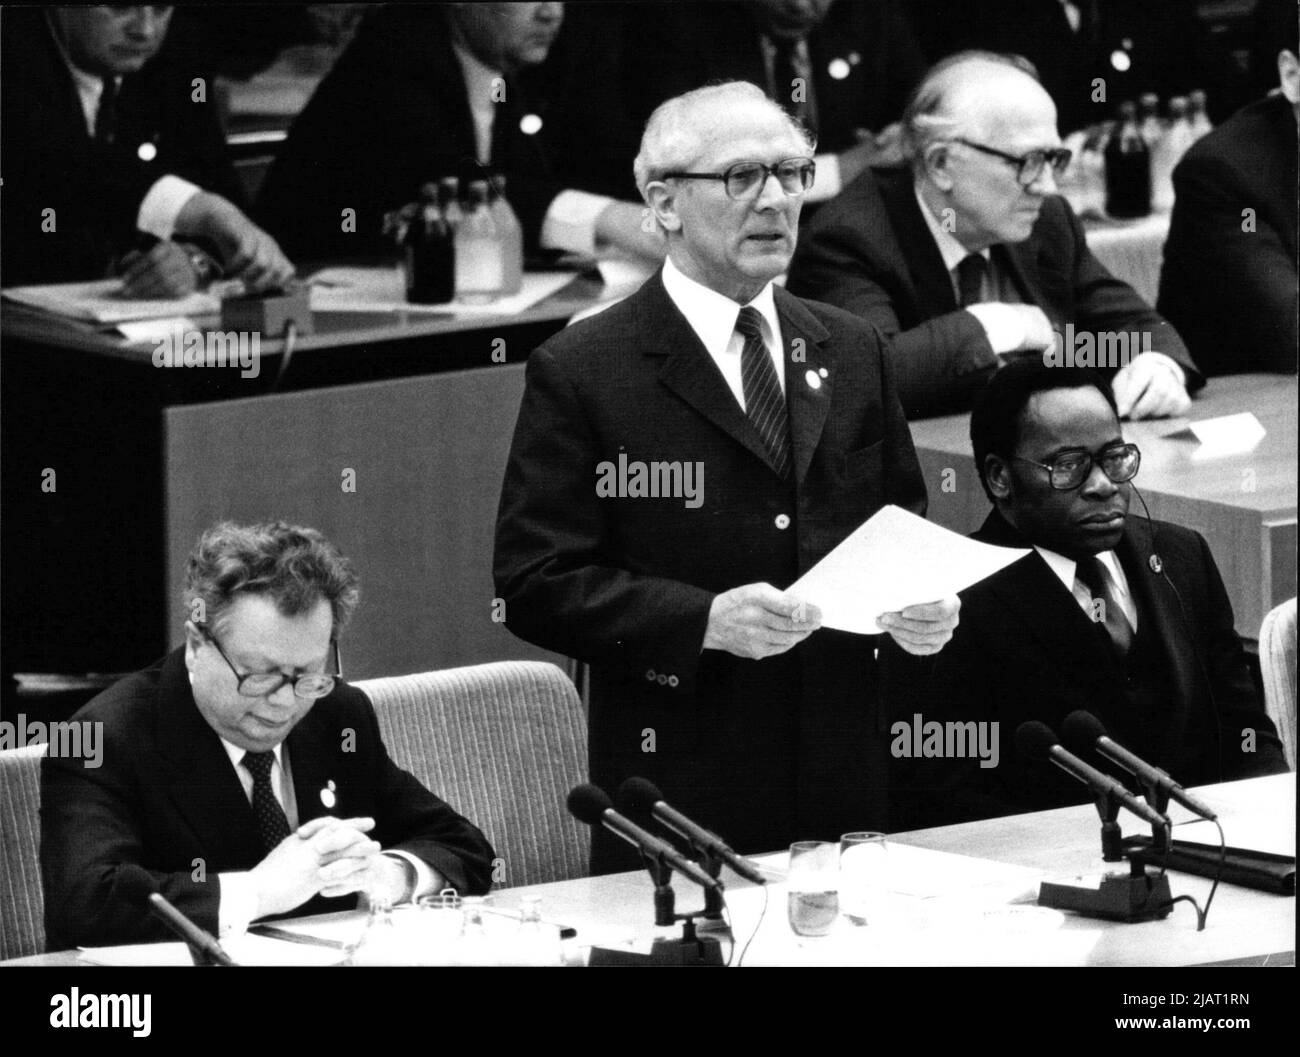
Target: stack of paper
x,y
101,301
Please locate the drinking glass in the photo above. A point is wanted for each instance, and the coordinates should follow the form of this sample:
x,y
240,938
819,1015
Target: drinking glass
x,y
813,884
864,877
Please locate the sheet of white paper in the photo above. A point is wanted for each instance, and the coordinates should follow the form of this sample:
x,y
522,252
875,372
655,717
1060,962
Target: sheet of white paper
x,y
384,290
893,560
151,331
100,301
1227,435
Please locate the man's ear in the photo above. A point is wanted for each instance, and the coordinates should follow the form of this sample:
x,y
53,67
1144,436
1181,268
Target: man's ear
x,y
193,642
997,474
662,200
937,158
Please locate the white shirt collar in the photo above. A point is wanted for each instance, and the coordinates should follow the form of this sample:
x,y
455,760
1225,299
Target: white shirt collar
x,y
713,316
89,86
1066,568
236,754
952,251
479,80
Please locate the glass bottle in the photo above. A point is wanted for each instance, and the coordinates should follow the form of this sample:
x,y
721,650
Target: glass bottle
x,y
512,237
1168,154
1197,115
1128,168
480,269
430,254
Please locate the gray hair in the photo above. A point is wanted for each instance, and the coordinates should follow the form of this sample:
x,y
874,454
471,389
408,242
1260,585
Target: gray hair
x,y
670,140
293,567
927,116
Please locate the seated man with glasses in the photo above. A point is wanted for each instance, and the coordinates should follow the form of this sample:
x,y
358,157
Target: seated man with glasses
x,y
241,777
967,258
707,678
1122,616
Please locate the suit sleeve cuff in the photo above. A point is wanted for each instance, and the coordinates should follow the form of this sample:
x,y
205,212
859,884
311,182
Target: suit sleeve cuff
x,y
1002,325
163,203
827,183
570,222
238,904
427,879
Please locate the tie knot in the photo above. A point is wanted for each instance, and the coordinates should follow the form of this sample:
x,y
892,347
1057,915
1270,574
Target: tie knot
x,y
259,764
1092,574
750,322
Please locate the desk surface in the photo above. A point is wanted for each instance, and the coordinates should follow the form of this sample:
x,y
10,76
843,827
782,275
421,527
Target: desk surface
x,y
1243,923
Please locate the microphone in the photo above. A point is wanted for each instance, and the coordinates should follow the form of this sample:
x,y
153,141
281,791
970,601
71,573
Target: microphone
x,y
642,796
1084,729
203,946
1037,741
590,804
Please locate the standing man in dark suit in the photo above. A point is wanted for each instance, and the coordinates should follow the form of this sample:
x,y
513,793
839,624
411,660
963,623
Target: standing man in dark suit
x,y
969,257
682,458
427,91
114,159
1230,278
1124,617
240,776
844,70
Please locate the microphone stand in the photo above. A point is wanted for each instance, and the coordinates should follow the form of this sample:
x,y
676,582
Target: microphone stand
x,y
1135,896
688,949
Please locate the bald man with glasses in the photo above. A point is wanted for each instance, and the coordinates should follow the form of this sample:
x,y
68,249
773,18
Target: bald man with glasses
x,y
968,259
241,776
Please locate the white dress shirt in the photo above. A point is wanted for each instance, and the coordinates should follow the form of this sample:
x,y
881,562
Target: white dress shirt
x,y
238,900
570,221
713,318
167,196
1066,569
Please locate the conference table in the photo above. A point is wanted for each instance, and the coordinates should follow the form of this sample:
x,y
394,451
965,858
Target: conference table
x,y
1242,501
959,895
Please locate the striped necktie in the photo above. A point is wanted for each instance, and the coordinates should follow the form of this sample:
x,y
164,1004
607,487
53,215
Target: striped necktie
x,y
764,401
1092,574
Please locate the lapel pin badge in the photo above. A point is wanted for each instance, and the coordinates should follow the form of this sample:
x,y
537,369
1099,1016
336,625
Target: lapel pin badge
x,y
1157,566
814,381
823,372
327,796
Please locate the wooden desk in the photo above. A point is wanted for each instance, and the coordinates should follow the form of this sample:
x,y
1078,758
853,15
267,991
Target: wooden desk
x,y
1243,923
1244,505
146,458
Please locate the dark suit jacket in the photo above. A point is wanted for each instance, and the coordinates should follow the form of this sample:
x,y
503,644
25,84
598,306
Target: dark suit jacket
x,y
870,252
51,161
1234,293
674,47
392,115
166,797
1025,650
762,751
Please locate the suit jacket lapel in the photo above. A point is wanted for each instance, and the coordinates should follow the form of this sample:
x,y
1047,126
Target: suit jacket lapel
x,y
1159,607
930,278
202,784
313,743
689,370
1019,261
808,402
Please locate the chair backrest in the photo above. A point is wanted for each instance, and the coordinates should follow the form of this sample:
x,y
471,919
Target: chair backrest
x,y
22,899
503,744
1278,668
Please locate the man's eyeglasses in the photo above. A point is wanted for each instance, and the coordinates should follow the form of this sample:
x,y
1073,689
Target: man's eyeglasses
x,y
310,685
1029,166
1070,469
795,175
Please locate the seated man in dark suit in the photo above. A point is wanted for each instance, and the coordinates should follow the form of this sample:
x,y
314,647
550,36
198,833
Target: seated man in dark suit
x,y
428,91
969,256
1229,281
240,776
114,159
843,69
1124,617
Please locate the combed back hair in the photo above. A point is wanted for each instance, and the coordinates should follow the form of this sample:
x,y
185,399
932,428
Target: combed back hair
x,y
995,421
670,141
927,117
292,566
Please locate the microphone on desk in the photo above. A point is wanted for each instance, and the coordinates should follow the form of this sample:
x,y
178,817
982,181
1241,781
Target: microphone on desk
x,y
1037,741
643,797
204,948
592,805
1084,730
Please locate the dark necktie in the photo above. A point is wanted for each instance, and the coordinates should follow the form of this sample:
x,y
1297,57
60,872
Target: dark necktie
x,y
764,401
106,118
791,87
272,826
1091,573
970,278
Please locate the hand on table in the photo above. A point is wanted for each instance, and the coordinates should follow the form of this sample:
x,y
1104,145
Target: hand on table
x,y
327,855
248,252
163,271
1148,387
